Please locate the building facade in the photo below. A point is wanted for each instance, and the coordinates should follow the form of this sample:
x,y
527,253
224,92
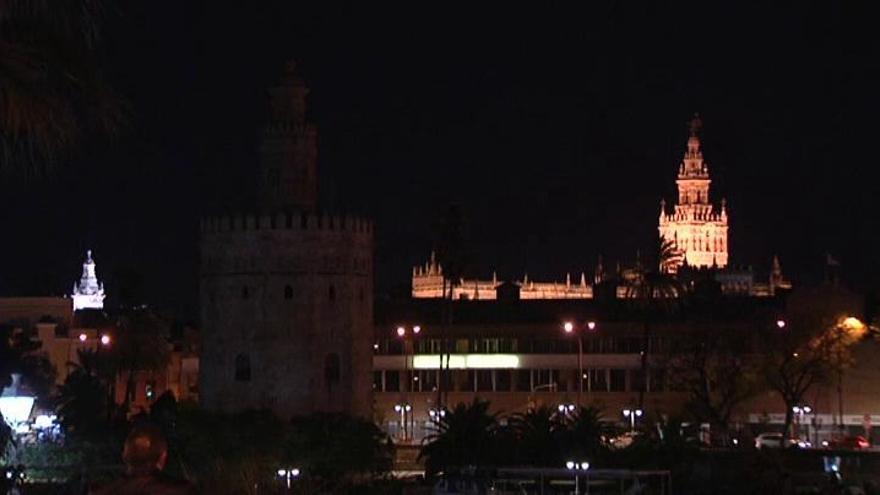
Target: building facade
x,y
696,227
286,294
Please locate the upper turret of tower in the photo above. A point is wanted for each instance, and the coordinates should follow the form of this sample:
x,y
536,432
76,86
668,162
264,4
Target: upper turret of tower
x,y
693,166
288,152
89,292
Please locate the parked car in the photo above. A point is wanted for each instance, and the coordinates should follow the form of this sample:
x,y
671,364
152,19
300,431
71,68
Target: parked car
x,y
773,440
856,442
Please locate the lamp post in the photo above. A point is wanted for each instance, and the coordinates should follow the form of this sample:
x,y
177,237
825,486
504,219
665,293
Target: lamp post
x,y
570,327
405,407
575,467
565,409
800,411
632,414
288,474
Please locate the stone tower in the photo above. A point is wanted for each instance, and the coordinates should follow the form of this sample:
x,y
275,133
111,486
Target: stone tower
x,y
285,290
696,226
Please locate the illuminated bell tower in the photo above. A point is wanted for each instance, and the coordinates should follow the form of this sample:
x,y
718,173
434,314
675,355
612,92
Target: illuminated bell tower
x,y
696,227
289,151
88,293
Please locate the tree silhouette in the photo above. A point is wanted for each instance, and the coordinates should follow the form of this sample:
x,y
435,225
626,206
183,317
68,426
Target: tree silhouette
x,y
52,89
82,402
653,294
538,435
463,436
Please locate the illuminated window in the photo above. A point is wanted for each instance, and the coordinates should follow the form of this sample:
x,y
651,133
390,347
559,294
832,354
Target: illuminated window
x,y
288,292
242,368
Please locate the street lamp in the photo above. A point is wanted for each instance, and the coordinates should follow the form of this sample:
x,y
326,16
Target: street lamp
x,y
436,414
404,410
780,323
632,414
800,411
288,474
571,327
576,467
410,379
565,409
105,340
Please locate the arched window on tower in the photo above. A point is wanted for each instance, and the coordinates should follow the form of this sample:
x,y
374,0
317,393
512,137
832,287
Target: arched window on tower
x,y
288,292
242,368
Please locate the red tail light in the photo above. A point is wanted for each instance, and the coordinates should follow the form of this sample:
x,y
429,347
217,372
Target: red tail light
x,y
863,444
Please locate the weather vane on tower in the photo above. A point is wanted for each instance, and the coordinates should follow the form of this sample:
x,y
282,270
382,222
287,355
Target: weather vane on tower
x,y
695,124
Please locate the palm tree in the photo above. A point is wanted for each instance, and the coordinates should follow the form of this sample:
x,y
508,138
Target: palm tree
x,y
464,436
654,293
52,90
451,257
538,435
141,345
583,434
82,401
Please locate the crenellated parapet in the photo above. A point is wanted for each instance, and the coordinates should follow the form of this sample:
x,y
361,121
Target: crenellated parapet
x,y
298,221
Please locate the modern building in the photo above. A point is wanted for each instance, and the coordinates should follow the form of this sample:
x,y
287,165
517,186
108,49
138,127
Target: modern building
x,y
286,289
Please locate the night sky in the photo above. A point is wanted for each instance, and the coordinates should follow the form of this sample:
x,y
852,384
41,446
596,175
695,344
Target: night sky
x,y
557,132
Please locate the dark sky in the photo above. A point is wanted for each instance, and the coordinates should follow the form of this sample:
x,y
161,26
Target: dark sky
x,y
556,131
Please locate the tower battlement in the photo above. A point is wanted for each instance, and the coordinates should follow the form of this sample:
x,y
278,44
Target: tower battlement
x,y
299,221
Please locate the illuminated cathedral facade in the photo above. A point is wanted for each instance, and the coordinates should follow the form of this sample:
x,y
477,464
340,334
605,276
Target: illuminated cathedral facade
x,y
697,229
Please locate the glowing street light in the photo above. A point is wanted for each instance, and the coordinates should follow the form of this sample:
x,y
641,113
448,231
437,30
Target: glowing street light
x,y
800,410
632,414
83,337
570,327
578,466
565,408
780,323
288,474
105,339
